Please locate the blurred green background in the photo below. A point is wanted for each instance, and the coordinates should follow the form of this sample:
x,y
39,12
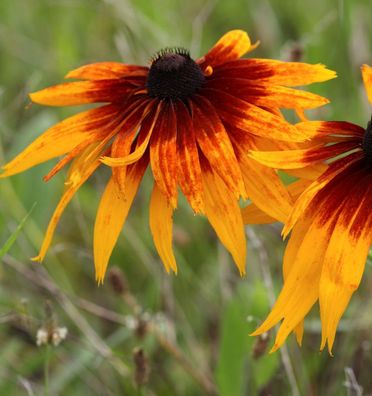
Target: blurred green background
x,y
160,335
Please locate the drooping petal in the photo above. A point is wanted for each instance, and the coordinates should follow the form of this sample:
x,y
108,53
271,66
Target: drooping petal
x,y
121,148
345,257
161,225
265,189
215,144
144,136
304,256
267,95
335,169
80,171
111,215
367,79
330,128
251,118
252,214
189,171
124,138
106,71
163,154
300,290
230,46
293,159
310,172
223,212
276,72
82,92
63,137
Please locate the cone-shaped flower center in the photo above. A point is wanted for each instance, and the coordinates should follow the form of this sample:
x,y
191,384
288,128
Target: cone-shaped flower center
x,y
367,142
174,75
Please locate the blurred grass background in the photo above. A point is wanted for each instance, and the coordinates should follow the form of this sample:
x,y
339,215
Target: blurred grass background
x,y
184,335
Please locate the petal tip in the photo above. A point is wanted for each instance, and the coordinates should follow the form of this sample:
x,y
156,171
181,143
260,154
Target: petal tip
x,y
37,259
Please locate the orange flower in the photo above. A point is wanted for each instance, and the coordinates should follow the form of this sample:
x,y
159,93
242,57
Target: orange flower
x,y
332,226
192,121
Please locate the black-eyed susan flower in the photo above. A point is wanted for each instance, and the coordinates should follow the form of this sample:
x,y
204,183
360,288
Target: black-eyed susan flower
x,y
192,122
332,226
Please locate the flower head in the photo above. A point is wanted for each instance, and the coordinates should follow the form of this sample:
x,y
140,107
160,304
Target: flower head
x,y
332,226
192,121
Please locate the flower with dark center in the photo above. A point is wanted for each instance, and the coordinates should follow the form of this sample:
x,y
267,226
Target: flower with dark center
x,y
174,75
331,226
192,122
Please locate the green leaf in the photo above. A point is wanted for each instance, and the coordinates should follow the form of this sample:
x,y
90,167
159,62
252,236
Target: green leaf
x,y
10,241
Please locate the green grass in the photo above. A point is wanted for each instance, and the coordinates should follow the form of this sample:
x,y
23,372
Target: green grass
x,y
199,320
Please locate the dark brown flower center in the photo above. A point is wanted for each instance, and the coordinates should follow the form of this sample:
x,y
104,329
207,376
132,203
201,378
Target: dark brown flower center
x,y
367,142
173,75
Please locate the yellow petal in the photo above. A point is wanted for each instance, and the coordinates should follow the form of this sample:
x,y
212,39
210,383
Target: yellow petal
x,y
189,170
294,159
112,213
79,172
300,290
62,138
163,154
82,92
367,78
265,189
252,119
106,70
147,128
345,258
306,197
230,46
310,172
277,72
216,146
223,212
252,214
161,224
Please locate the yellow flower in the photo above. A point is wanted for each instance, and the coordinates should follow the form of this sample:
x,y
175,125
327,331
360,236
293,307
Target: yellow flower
x,y
192,121
332,226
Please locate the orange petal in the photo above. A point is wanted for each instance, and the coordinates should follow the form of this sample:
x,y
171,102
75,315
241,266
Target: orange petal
x,y
80,171
144,137
223,212
306,197
63,137
267,95
252,214
123,141
189,171
310,172
230,46
367,79
163,154
345,257
161,224
76,93
253,119
215,144
277,72
300,290
265,189
106,71
316,129
112,213
291,159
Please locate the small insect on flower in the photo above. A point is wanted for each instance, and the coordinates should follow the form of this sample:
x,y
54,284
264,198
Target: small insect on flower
x,y
332,226
192,122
